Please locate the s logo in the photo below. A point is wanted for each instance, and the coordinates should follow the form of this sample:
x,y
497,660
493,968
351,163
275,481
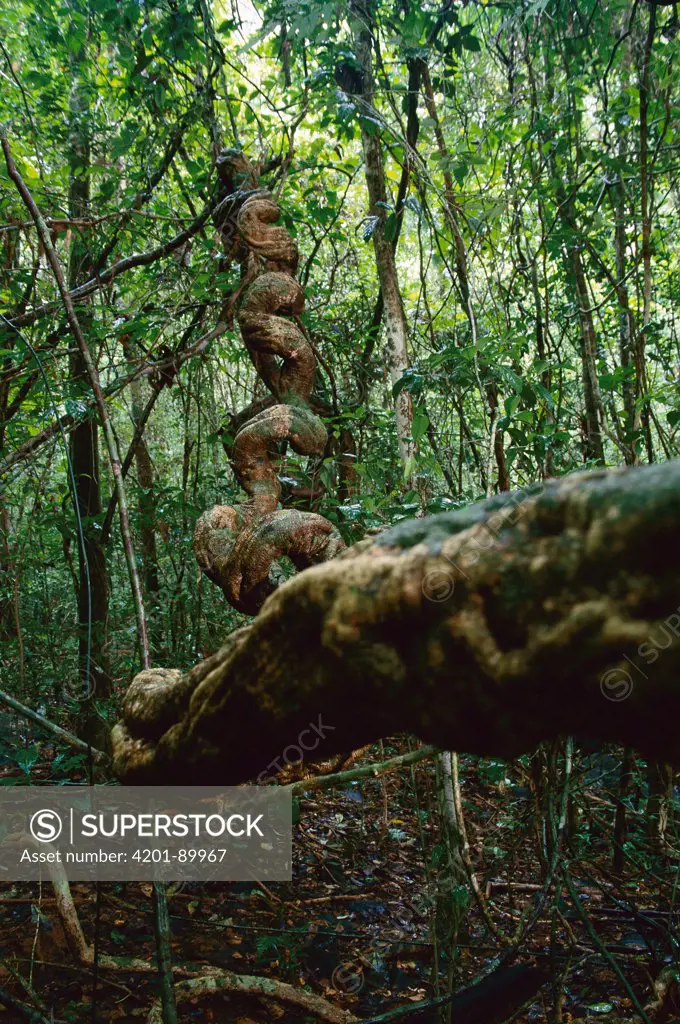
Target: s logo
x,y
45,826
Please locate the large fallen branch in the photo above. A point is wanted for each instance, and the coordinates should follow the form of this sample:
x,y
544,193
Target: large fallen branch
x,y
488,629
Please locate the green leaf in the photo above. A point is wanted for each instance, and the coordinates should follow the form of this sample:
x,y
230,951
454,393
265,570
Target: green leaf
x,y
27,758
420,424
472,43
412,381
505,373
368,228
542,392
391,228
370,125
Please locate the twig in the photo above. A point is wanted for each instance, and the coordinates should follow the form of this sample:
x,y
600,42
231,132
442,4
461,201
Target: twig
x,y
67,422
127,263
146,369
599,945
367,771
207,982
26,985
27,1012
56,730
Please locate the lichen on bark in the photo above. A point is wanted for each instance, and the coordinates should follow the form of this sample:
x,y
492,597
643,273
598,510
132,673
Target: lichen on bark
x,y
485,630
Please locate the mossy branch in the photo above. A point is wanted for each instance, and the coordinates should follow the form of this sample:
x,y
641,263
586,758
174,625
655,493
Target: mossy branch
x,y
546,611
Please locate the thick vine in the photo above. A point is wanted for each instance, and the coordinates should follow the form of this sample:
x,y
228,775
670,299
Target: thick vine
x,y
238,546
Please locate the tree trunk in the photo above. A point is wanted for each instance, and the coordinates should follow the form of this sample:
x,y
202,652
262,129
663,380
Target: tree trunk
x,y
93,583
7,618
642,408
548,466
626,340
659,804
145,478
147,501
593,448
345,450
396,327
621,819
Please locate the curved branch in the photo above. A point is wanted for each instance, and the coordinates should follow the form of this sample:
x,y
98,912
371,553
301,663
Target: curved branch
x,y
142,259
547,611
215,980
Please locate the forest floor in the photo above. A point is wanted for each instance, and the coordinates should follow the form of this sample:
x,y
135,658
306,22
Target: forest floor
x,y
358,924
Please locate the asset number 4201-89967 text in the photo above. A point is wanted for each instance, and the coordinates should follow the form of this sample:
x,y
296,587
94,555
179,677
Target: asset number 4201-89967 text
x,y
181,856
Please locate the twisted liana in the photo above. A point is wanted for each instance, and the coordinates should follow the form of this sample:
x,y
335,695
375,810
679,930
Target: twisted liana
x,y
238,547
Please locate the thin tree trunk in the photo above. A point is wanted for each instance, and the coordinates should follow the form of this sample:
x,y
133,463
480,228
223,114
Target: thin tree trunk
x,y
621,819
93,583
7,620
147,499
592,405
463,280
593,448
346,457
659,804
396,327
93,377
626,342
642,409
163,932
548,464
145,478
660,775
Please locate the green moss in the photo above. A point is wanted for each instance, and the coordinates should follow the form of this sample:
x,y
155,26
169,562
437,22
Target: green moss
x,y
434,530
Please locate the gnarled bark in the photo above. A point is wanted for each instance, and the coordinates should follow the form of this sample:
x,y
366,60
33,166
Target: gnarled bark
x,y
488,629
238,547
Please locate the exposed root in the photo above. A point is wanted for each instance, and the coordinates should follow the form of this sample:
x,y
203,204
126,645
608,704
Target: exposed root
x,y
245,984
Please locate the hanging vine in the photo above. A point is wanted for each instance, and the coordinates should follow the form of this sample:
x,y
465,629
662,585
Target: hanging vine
x,y
238,547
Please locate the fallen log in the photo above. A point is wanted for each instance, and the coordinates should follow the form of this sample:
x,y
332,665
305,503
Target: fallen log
x,y
546,611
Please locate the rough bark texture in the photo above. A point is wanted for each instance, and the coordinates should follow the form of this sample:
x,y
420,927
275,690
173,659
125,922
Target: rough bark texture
x,y
488,629
238,548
